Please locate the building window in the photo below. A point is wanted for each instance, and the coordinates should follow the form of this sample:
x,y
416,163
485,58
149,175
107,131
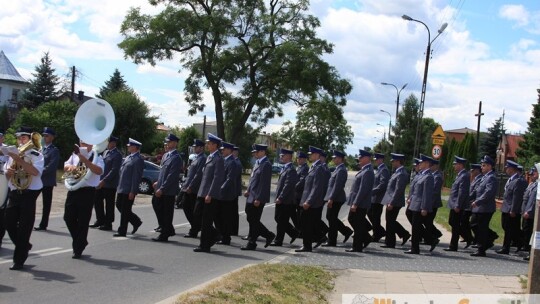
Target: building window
x,y
15,95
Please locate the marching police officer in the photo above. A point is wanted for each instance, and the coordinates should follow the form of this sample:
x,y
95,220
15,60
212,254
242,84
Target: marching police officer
x,y
528,208
227,210
285,200
359,202
236,216
106,190
190,187
131,173
166,187
484,206
302,170
336,197
209,194
382,176
466,231
51,154
394,199
511,208
458,200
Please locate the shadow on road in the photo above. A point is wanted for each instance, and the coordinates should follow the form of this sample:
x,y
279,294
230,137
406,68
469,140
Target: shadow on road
x,y
4,288
117,265
46,276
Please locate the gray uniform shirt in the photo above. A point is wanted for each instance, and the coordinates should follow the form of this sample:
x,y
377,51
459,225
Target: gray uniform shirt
x,y
395,192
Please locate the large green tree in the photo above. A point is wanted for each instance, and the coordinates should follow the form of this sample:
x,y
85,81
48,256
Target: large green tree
x,y
529,149
253,55
186,136
490,142
45,86
319,123
59,115
133,120
404,132
115,84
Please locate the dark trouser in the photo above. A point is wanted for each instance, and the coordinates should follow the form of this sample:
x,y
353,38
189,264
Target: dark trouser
x,y
454,220
321,229
104,206
20,216
208,214
190,200
480,227
374,214
125,205
77,215
432,231
418,231
359,223
408,214
334,223
282,215
527,228
235,222
512,229
393,227
256,228
164,209
224,219
296,217
465,230
2,224
46,194
308,224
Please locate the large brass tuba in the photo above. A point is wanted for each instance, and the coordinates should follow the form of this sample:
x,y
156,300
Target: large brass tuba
x,y
21,179
94,123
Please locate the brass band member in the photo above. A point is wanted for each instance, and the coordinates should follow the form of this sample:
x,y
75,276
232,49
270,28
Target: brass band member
x,y
79,202
21,206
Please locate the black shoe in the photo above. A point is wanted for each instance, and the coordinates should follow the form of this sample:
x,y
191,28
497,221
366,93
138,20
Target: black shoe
x,y
478,254
434,244
245,237
503,251
269,239
39,228
249,246
222,242
324,239
474,246
405,239
353,250
95,225
276,244
201,249
16,266
76,255
293,239
450,249
411,252
160,239
119,234
367,243
329,244
157,229
136,227
490,245
190,236
388,246
347,236
302,249
105,227
469,243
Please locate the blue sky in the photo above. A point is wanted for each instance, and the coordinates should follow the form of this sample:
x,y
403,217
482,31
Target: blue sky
x,y
490,52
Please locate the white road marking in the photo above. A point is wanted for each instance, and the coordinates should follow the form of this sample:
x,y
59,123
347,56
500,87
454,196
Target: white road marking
x,y
39,253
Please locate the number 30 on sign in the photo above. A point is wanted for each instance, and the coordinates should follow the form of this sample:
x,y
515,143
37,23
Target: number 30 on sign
x,y
436,152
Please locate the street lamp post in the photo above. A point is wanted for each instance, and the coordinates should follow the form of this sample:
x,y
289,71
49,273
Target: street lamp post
x,y
384,131
389,124
398,91
424,82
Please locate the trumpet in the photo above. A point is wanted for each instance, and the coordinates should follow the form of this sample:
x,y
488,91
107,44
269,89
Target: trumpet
x,y
21,179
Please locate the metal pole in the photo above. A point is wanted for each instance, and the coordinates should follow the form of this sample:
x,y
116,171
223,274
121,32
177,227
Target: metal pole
x,y
479,114
422,100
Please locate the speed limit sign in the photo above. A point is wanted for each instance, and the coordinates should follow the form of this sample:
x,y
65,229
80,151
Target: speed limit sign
x,y
436,152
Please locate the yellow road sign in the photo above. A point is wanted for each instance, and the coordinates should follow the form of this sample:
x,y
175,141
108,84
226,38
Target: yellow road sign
x,y
437,141
438,133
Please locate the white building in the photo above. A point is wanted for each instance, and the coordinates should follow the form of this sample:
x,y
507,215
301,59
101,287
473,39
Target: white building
x,y
11,83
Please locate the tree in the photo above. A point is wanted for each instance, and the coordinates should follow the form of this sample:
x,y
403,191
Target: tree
x,y
186,139
490,141
115,84
133,120
404,132
44,87
253,55
319,123
59,115
529,149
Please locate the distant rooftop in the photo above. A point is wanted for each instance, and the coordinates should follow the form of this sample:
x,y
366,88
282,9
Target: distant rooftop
x,y
8,71
462,130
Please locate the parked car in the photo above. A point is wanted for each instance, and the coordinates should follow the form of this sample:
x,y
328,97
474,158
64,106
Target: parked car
x,y
150,175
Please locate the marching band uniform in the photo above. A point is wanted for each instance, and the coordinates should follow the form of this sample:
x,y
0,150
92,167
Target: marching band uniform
x,y
107,192
79,203
131,173
51,155
20,211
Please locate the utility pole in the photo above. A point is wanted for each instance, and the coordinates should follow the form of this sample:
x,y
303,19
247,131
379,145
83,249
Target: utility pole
x,y
204,127
479,115
73,83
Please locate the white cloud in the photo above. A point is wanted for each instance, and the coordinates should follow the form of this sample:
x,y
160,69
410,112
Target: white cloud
x,y
516,13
